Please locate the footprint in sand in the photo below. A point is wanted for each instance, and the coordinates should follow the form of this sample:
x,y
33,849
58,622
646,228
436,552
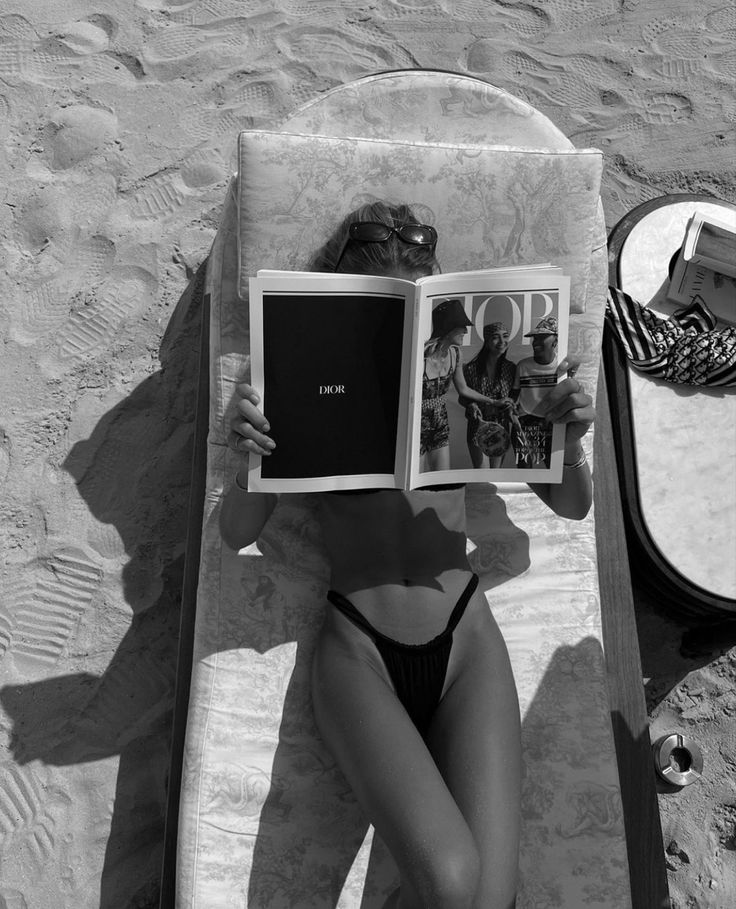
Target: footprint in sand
x,y
724,65
723,22
44,307
44,610
84,37
165,193
348,52
75,134
527,21
203,168
27,56
187,51
684,44
666,107
571,14
25,815
16,28
94,323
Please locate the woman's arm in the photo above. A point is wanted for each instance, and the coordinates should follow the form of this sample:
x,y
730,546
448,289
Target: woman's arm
x,y
572,497
244,514
569,404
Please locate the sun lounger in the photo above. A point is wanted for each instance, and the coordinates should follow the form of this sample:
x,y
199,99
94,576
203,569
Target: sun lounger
x,y
264,817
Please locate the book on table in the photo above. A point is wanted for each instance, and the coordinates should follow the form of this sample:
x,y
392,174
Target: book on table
x,y
361,377
705,267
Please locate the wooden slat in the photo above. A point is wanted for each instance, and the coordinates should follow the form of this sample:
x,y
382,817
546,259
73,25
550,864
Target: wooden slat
x,y
625,683
188,604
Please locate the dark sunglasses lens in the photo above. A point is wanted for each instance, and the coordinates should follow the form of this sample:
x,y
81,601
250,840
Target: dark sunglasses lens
x,y
419,234
369,231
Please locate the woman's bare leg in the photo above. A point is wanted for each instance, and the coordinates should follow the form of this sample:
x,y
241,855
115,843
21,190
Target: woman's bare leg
x,y
391,771
437,459
475,738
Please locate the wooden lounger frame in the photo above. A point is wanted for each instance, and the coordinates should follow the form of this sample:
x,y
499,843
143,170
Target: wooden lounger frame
x,y
649,888
185,654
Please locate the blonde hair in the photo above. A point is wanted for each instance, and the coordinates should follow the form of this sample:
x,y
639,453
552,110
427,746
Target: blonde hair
x,y
391,255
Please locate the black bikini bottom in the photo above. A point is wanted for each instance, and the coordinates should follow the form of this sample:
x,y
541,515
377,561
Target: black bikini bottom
x,y
416,670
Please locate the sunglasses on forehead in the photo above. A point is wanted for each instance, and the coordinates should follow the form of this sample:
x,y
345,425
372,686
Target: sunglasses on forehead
x,y
377,232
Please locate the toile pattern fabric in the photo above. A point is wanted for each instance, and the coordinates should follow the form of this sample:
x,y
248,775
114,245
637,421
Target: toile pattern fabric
x,y
499,205
267,820
492,205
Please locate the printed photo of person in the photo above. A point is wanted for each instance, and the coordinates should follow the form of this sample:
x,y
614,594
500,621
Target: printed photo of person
x,y
535,376
490,427
443,367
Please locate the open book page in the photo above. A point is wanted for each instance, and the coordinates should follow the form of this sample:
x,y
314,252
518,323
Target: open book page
x,y
512,330
705,268
331,355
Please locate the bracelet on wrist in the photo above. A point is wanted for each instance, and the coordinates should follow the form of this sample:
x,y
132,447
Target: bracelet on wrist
x,y
573,465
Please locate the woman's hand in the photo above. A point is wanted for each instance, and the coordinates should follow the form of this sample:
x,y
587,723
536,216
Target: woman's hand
x,y
249,426
569,403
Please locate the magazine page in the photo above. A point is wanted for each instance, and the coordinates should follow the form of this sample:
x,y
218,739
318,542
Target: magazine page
x,y
330,357
711,242
691,283
700,272
498,336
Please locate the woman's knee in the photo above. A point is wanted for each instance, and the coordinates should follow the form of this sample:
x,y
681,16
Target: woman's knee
x,y
451,880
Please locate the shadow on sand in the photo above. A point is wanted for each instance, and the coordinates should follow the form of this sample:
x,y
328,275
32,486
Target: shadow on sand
x,y
133,472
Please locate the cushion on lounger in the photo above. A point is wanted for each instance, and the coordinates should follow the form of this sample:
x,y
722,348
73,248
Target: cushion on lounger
x,y
492,205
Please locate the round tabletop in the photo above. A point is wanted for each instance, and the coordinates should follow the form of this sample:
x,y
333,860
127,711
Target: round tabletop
x,y
685,436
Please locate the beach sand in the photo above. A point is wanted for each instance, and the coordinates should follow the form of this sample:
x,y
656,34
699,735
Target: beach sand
x,y
118,122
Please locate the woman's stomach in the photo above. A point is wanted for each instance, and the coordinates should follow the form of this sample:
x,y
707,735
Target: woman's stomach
x,y
390,537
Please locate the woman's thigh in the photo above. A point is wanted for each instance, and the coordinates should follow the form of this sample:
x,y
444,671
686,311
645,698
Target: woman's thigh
x,y
438,459
476,455
391,770
475,738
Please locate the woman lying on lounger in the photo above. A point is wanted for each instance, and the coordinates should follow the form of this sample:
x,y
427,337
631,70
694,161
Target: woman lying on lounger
x,y
412,686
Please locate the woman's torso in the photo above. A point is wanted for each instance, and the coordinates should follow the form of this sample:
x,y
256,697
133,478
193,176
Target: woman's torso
x,y
399,556
495,380
438,372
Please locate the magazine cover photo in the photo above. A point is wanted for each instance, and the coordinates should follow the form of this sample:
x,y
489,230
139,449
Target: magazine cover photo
x,y
489,360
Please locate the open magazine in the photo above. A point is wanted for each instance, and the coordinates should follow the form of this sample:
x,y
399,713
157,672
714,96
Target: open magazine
x,y
705,267
373,382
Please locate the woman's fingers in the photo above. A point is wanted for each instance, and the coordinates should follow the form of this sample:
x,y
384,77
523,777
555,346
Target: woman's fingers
x,y
248,407
568,402
246,438
249,426
569,365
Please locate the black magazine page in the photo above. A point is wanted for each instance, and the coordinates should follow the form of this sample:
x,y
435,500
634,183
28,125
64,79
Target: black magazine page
x,y
332,363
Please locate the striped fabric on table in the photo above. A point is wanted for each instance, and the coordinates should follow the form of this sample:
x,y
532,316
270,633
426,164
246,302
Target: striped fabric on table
x,y
686,348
